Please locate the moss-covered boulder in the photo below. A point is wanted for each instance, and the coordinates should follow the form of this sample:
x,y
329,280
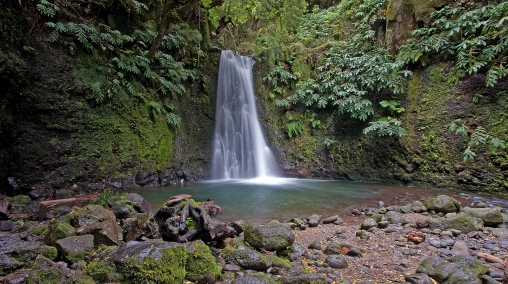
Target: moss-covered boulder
x,y
248,259
462,222
490,216
200,264
75,248
272,237
99,222
47,271
458,269
443,203
56,230
156,261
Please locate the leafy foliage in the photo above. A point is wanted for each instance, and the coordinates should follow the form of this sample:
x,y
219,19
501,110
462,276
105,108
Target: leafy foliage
x,y
386,126
478,136
125,56
476,39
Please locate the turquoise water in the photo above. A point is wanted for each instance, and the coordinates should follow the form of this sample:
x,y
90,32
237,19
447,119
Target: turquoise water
x,y
285,198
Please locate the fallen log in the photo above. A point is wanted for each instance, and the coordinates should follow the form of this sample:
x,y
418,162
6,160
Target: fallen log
x,y
73,200
491,258
177,199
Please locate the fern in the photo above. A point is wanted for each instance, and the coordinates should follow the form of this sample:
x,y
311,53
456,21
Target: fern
x,y
294,128
386,126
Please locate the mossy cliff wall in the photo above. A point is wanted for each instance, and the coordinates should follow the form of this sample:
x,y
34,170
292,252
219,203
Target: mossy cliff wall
x,y
55,137
428,155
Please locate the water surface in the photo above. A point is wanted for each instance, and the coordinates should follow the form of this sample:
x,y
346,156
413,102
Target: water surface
x,y
285,198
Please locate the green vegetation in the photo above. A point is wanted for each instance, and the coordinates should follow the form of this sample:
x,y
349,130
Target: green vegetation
x,y
478,136
476,38
127,56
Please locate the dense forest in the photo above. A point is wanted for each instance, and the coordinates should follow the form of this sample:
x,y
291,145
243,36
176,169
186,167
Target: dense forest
x,y
121,94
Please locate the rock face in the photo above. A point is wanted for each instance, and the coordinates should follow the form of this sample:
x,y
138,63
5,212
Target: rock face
x,y
400,22
271,237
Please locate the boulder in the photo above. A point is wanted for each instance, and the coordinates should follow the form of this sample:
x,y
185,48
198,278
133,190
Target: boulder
x,y
17,277
157,261
139,203
99,222
490,216
248,259
4,209
368,223
140,225
123,211
36,210
330,219
57,230
313,220
395,217
47,271
272,237
7,264
75,248
418,278
457,269
336,261
444,204
462,222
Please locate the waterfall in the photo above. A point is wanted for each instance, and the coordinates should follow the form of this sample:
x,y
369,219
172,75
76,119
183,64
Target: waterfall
x,y
239,146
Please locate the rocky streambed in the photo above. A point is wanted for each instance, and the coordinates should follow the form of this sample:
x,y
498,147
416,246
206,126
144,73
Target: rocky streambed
x,y
121,239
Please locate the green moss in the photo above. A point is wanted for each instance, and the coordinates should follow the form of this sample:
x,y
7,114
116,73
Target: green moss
x,y
58,230
49,252
278,262
201,264
102,272
41,230
170,268
21,200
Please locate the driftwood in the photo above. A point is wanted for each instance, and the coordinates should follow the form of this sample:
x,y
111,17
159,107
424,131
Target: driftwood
x,y
491,258
73,200
173,220
177,199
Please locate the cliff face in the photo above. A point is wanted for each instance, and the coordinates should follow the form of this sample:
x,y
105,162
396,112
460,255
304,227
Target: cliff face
x,y
55,137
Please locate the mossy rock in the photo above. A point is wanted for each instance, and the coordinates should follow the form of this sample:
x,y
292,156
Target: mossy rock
x,y
200,265
258,278
272,238
457,269
58,230
168,268
40,230
48,272
462,222
21,200
49,252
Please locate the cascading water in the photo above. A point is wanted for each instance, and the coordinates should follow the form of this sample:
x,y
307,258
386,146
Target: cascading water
x,y
239,146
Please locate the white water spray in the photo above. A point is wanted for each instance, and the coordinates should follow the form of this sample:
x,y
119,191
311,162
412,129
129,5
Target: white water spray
x,y
239,147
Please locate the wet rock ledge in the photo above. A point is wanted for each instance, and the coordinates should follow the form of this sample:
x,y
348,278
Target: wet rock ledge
x,y
121,239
